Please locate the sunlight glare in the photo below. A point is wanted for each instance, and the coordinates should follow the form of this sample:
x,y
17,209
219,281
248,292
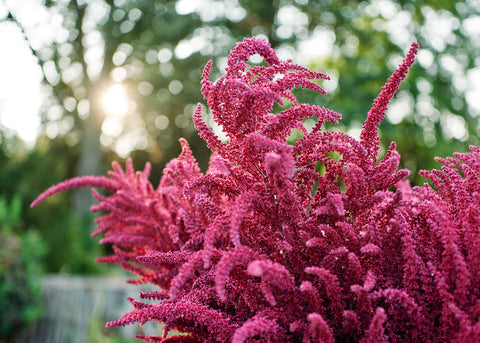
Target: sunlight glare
x,y
115,100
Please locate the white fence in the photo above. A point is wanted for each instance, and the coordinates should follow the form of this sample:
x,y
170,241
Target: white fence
x,y
73,303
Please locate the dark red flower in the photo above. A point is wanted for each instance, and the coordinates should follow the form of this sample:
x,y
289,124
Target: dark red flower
x,y
313,242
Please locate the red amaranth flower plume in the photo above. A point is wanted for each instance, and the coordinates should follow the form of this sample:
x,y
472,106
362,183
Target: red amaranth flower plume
x,y
312,242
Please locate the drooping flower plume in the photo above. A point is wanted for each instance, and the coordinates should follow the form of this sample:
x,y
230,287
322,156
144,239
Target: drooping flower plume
x,y
319,241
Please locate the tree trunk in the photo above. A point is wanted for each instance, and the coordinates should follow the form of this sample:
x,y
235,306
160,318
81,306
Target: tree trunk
x,y
91,155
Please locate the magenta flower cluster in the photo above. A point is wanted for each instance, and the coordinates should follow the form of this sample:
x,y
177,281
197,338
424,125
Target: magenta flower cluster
x,y
319,241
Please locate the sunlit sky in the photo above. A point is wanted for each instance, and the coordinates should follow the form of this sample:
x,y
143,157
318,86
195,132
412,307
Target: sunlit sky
x,y
21,93
20,84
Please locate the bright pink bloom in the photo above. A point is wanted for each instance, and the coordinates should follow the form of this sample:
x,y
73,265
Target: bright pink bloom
x,y
312,242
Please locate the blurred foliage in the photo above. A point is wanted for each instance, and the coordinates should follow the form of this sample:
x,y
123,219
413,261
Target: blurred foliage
x,y
157,49
97,333
66,234
20,267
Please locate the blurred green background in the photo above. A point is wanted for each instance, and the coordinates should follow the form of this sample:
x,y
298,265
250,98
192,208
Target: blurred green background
x,y
120,78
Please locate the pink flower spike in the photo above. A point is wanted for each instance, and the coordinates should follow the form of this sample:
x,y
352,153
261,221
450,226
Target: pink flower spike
x,y
369,135
76,182
376,330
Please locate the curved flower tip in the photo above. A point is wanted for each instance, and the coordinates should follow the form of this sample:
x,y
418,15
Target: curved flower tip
x,y
376,330
251,46
76,182
369,135
319,328
258,326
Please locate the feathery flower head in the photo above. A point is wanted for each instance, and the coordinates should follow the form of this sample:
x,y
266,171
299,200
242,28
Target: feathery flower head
x,y
311,242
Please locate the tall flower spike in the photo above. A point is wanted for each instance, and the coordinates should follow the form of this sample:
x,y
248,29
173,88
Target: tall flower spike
x,y
77,182
369,135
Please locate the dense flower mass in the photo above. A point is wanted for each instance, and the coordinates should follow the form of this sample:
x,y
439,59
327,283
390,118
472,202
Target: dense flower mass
x,y
319,241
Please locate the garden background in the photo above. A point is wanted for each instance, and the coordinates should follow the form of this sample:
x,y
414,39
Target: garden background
x,y
86,82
